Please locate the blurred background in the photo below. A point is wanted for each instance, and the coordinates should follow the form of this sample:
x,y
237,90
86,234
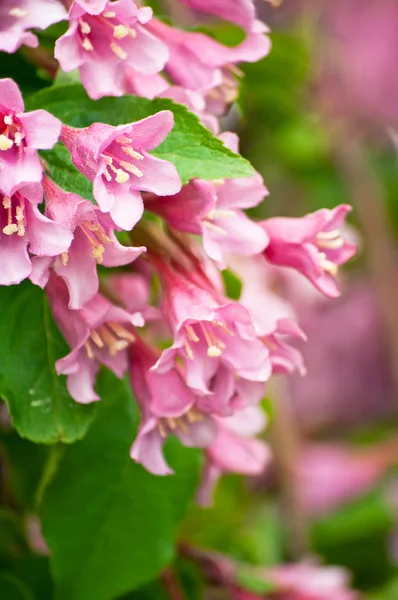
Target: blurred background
x,y
321,114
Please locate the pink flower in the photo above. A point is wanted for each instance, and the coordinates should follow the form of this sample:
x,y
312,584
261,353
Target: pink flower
x,y
21,135
276,324
16,17
198,62
24,230
98,334
116,160
313,245
310,582
141,84
241,12
94,242
196,104
209,333
163,413
103,39
234,450
214,210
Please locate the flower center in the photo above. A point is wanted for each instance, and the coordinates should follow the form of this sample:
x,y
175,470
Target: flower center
x,y
105,25
227,92
11,131
169,425
117,167
13,215
114,337
207,332
326,241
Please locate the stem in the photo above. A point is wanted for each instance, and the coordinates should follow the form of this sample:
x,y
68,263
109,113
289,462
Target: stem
x,y
367,196
172,585
285,440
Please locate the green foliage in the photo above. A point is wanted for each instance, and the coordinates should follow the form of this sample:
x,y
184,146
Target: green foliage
x,y
109,523
190,146
40,406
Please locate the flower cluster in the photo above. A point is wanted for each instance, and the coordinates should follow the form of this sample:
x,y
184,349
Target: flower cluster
x,y
198,361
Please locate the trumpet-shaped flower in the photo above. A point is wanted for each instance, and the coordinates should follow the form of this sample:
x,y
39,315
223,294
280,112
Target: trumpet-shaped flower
x,y
21,135
103,39
117,161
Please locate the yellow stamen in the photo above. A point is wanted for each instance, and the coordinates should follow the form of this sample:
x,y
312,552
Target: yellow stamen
x,y
130,152
85,27
97,339
87,45
214,227
89,350
5,142
191,333
116,49
10,229
131,168
109,14
120,32
121,176
8,119
121,331
64,258
18,12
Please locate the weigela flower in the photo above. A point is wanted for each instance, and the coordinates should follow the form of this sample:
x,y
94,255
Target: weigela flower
x,y
208,333
276,325
116,160
21,135
94,242
241,12
98,334
196,104
198,62
163,414
234,450
18,16
24,230
214,210
103,39
313,245
141,84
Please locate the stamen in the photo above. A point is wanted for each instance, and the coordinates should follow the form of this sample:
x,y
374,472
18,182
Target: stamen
x,y
120,32
328,235
182,425
162,429
171,423
191,333
89,350
123,139
107,175
19,213
10,229
121,176
188,350
220,213
218,181
116,49
85,27
109,14
21,229
97,339
215,347
327,265
214,227
114,345
130,152
64,258
18,12
5,142
87,45
131,168
6,202
98,253
8,119
18,137
330,240
132,33
121,331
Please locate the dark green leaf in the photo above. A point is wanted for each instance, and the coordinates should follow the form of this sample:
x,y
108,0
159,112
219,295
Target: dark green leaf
x,y
109,523
190,146
40,407
11,588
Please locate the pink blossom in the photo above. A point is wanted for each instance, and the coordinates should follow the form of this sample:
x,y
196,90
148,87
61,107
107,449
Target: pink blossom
x,y
313,245
116,160
98,334
196,104
142,84
21,135
94,242
24,230
214,210
103,39
198,62
234,450
241,12
273,317
17,17
208,333
310,582
163,413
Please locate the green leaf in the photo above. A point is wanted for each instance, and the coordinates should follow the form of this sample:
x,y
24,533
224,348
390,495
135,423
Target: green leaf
x,y
11,588
190,146
110,524
40,406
